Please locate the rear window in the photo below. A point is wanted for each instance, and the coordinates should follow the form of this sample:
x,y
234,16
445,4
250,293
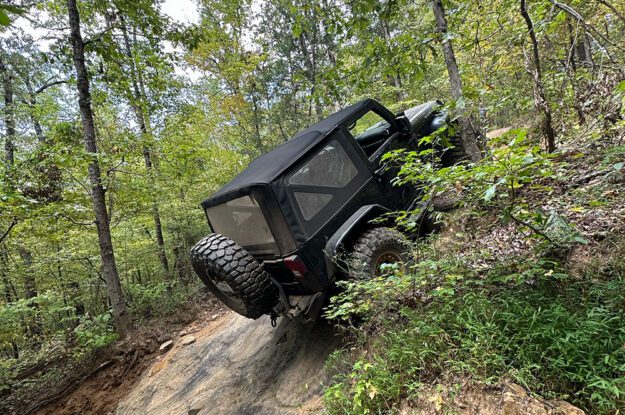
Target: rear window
x,y
242,220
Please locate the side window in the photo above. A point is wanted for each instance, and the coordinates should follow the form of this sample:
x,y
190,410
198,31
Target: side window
x,y
311,203
330,167
318,182
371,131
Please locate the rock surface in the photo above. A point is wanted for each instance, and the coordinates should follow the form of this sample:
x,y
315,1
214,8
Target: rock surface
x,y
187,340
238,366
166,346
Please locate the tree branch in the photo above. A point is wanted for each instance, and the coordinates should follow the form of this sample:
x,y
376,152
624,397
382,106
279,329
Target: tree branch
x,y
49,84
575,14
6,233
98,36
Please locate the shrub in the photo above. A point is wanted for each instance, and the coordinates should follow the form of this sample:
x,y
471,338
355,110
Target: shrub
x,y
94,333
153,299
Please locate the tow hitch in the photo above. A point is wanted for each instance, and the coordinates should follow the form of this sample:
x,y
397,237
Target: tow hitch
x,y
306,307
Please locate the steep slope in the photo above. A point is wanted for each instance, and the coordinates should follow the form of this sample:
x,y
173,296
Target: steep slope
x,y
238,366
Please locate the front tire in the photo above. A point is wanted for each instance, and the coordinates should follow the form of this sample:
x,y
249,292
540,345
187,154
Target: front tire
x,y
456,153
375,247
234,276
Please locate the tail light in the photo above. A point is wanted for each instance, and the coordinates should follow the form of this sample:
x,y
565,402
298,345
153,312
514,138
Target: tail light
x,y
296,266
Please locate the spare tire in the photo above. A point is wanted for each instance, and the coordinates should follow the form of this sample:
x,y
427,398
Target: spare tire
x,y
234,276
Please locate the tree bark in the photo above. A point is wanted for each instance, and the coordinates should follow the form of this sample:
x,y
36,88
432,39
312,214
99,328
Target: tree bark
x,y
540,100
395,79
9,119
571,70
467,134
137,104
109,267
30,287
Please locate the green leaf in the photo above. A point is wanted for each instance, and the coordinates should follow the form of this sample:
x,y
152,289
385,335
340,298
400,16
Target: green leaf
x,y
490,192
618,166
4,18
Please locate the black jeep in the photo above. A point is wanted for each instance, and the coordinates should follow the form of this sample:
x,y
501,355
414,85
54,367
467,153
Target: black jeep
x,y
282,223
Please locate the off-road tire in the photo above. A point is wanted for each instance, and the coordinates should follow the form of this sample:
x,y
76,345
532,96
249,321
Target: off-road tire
x,y
456,153
365,254
217,259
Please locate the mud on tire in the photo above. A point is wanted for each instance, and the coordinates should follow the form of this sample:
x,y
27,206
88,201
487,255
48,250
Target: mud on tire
x,y
370,249
234,276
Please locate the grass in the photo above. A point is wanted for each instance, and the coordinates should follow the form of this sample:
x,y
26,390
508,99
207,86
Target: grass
x,y
558,336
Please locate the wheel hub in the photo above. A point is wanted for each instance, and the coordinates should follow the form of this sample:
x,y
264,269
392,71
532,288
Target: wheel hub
x,y
387,257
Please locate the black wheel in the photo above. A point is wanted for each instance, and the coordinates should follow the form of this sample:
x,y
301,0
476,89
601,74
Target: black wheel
x,y
375,247
234,276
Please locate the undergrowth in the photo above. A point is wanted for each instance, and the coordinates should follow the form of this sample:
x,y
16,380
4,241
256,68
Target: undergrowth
x,y
556,336
64,331
527,319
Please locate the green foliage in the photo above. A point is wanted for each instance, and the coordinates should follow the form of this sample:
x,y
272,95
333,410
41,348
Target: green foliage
x,y
501,181
154,299
94,333
556,336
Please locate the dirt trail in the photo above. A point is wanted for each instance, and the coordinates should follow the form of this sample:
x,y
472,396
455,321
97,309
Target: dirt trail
x,y
238,366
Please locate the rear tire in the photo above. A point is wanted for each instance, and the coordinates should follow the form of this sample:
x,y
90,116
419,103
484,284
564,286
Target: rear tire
x,y
375,247
234,276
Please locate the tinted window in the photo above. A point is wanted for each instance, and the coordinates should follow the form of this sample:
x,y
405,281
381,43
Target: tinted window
x,y
331,167
311,203
243,221
322,179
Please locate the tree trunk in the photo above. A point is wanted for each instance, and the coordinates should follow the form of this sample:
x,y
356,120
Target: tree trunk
x,y
8,296
137,104
32,103
467,134
109,267
571,71
30,287
9,119
30,291
394,79
540,100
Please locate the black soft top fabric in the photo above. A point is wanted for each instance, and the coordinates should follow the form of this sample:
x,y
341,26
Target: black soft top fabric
x,y
266,168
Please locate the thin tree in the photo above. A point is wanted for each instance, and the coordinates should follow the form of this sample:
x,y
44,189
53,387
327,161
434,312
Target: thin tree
x,y
9,120
138,104
467,134
30,284
540,100
120,312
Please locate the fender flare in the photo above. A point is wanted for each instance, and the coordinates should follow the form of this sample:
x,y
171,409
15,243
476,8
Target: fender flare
x,y
354,222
